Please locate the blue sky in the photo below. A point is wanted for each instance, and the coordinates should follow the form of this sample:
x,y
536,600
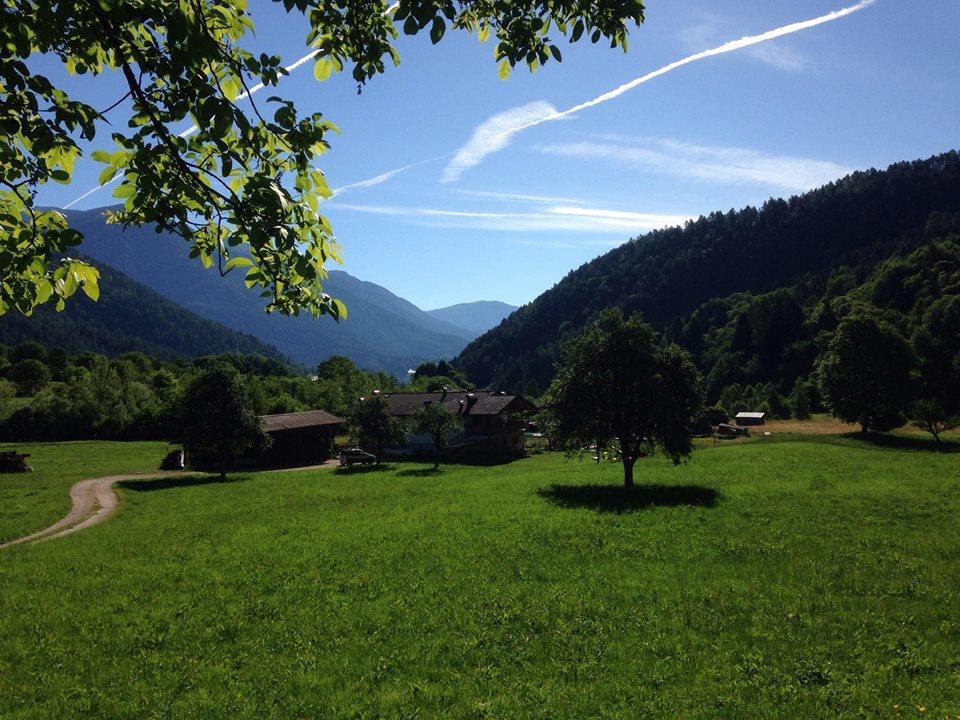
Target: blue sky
x,y
773,119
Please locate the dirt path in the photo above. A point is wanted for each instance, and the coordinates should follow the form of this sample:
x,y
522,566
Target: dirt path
x,y
95,500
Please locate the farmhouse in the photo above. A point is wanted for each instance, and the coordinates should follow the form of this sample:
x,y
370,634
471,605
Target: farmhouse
x,y
491,424
299,438
750,418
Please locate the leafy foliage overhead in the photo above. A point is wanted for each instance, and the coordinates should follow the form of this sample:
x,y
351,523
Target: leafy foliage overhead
x,y
236,177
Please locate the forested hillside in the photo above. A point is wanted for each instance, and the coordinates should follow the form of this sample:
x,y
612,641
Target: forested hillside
x,y
760,351
848,226
128,316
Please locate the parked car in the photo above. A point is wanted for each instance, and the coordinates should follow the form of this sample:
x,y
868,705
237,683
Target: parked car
x,y
356,456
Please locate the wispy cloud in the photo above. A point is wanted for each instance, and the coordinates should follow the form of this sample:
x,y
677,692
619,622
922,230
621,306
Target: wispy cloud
x,y
775,54
710,164
562,218
779,56
494,134
516,197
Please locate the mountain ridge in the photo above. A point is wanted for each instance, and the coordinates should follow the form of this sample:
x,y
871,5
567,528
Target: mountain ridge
x,y
477,316
382,330
669,273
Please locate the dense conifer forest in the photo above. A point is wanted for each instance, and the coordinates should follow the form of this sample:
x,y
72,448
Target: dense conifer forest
x,y
755,294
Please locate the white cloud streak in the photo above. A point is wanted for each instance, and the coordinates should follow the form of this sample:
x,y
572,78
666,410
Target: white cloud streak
x,y
710,164
553,218
516,197
778,56
494,134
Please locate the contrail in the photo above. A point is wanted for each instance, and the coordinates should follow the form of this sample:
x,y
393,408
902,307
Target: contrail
x,y
731,46
483,142
497,140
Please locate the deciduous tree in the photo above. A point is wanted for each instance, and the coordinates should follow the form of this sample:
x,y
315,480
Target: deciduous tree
x,y
617,381
372,422
217,421
435,420
866,373
30,376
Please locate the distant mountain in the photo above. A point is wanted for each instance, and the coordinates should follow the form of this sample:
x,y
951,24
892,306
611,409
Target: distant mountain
x,y
382,330
477,317
667,274
128,316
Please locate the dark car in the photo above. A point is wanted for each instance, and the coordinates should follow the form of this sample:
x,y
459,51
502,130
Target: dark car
x,y
356,456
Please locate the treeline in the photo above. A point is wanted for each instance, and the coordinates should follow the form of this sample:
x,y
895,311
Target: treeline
x,y
50,394
844,229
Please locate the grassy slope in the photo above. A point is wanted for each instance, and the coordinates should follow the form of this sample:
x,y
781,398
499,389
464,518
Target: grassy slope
x,y
31,501
823,582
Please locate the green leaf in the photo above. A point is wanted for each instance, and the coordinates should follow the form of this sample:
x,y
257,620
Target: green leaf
x,y
503,69
107,175
91,289
322,68
238,262
437,30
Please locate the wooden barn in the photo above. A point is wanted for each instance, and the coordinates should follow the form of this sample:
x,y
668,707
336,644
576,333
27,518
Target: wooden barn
x,y
301,438
750,418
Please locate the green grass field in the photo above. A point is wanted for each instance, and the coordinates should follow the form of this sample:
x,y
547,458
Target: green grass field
x,y
814,578
34,500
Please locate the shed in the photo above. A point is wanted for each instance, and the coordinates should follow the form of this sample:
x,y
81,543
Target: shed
x,y
750,418
300,438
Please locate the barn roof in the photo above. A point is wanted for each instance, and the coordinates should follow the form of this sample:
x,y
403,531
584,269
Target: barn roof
x,y
757,415
291,421
459,402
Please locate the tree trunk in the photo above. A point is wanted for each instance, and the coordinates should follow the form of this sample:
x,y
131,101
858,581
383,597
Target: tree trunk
x,y
628,471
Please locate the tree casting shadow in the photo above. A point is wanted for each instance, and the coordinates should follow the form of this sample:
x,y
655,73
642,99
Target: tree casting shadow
x,y
901,442
620,499
165,483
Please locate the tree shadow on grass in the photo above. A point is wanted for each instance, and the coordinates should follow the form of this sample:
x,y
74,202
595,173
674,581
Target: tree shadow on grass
x,y
420,472
178,481
620,499
904,442
362,469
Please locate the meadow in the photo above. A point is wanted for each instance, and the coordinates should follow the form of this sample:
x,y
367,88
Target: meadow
x,y
783,577
34,500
